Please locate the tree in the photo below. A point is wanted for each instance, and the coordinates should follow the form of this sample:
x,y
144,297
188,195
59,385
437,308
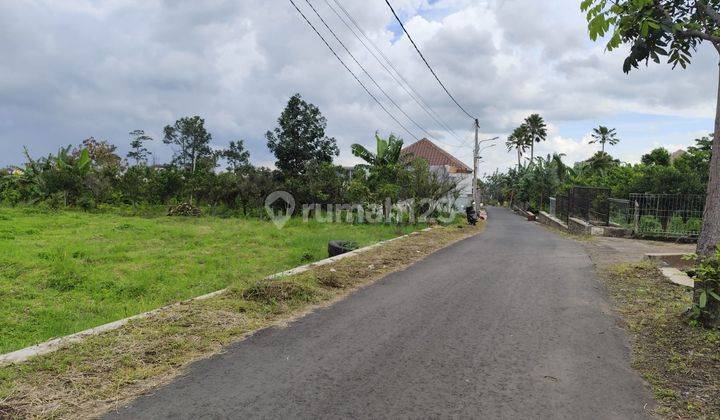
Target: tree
x,y
101,152
300,138
518,140
601,161
192,140
237,157
138,150
536,132
695,164
604,135
659,156
672,29
387,151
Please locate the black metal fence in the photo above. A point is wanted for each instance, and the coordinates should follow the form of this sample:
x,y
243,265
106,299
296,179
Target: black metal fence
x,y
562,207
590,204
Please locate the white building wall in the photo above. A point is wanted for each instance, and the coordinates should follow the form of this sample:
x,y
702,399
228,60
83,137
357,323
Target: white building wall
x,y
464,182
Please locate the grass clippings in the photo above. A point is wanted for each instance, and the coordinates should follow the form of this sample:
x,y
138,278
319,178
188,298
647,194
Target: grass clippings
x,y
681,361
108,370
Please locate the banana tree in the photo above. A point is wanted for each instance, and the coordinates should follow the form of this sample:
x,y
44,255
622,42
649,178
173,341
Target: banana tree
x,y
387,151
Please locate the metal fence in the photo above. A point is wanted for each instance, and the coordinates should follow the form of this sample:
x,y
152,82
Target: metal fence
x,y
590,204
562,207
667,215
622,212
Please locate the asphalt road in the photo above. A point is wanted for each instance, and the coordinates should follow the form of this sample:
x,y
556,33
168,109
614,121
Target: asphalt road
x,y
509,323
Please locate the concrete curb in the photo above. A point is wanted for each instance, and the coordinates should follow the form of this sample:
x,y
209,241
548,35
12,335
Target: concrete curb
x,y
50,346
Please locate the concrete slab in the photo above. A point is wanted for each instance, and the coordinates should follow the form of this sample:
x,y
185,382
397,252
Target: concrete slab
x,y
678,277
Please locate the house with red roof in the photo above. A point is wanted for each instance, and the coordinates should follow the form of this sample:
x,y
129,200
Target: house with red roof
x,y
440,160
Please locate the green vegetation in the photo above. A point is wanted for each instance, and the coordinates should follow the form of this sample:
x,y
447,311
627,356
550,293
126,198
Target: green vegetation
x,y
532,184
92,176
706,305
673,30
88,378
66,271
650,224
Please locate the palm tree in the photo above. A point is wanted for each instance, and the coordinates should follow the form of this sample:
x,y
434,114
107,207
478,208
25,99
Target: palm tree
x,y
604,135
518,140
537,132
601,162
387,153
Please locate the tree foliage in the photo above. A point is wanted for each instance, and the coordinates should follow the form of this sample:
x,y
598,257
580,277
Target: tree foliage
x,y
191,142
237,157
654,28
138,152
300,138
658,156
603,136
387,152
536,130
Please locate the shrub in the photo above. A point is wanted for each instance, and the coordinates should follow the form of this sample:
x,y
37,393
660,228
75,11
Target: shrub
x,y
706,302
676,225
693,225
650,224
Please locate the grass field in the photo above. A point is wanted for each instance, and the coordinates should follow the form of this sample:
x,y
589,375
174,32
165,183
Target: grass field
x,y
67,271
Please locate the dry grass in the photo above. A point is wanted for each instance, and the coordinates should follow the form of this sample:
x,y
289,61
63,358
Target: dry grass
x,y
679,360
108,370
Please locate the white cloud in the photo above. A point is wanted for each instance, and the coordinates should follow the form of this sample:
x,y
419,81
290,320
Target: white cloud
x,y
78,68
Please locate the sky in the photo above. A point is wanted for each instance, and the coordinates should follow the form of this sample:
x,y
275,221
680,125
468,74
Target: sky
x,y
72,69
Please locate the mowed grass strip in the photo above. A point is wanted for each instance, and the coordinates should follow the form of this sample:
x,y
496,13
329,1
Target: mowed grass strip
x,y
64,272
105,371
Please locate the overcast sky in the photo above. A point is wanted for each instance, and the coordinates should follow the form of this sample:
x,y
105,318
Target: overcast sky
x,y
72,69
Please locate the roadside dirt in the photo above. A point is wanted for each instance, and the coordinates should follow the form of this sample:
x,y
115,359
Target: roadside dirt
x,y
679,360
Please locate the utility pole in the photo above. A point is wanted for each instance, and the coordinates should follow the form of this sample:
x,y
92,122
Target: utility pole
x,y
476,152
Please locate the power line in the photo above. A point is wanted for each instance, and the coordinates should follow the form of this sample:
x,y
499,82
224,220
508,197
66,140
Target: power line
x,y
426,62
404,84
350,71
377,85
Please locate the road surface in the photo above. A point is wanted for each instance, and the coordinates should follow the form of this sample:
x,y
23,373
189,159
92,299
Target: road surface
x,y
509,323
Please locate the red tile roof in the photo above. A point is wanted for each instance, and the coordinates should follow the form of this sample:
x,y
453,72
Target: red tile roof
x,y
434,155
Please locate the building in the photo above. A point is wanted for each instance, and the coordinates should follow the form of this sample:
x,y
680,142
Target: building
x,y
440,160
676,154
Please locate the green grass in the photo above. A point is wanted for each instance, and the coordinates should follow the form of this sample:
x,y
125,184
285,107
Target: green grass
x,y
68,271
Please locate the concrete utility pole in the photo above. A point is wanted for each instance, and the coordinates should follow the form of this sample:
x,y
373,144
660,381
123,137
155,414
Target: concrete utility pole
x,y
476,152
476,158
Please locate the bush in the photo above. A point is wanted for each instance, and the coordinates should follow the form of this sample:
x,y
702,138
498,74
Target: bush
x,y
706,302
693,225
649,224
677,225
